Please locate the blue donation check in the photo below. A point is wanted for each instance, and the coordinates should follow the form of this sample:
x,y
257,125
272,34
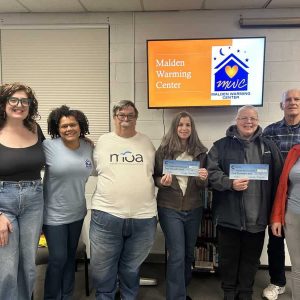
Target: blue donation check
x,y
249,171
181,167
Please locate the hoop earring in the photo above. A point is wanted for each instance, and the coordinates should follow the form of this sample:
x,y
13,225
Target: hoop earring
x,y
4,115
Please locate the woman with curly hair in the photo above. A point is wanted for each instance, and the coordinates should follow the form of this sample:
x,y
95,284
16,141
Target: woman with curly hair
x,y
21,190
68,166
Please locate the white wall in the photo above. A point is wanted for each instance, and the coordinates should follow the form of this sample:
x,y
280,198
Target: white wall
x,y
281,69
128,35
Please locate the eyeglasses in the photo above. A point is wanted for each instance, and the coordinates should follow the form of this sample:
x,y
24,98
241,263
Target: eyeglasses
x,y
71,125
122,117
245,119
14,101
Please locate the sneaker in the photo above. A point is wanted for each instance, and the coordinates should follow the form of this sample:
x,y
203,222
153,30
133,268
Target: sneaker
x,y
272,291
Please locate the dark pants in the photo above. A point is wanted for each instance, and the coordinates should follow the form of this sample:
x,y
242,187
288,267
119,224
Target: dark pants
x,y
62,243
181,229
276,259
239,253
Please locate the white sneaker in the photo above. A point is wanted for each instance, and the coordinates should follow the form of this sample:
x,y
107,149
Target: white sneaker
x,y
272,291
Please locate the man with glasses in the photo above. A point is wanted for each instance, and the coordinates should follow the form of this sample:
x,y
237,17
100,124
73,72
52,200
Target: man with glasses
x,y
123,221
285,133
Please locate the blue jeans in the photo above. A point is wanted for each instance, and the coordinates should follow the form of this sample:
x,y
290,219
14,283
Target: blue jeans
x,y
22,203
62,243
118,248
181,229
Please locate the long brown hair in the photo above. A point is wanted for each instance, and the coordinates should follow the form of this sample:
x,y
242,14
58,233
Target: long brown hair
x,y
171,142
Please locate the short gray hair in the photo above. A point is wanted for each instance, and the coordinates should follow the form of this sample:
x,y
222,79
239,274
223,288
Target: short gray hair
x,y
124,104
283,97
246,107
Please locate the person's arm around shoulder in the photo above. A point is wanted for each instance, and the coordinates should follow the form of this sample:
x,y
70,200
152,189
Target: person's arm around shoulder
x,y
5,229
88,141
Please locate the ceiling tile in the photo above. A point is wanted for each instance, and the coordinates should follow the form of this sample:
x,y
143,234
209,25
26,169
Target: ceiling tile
x,y
112,5
21,6
150,5
11,6
53,5
234,4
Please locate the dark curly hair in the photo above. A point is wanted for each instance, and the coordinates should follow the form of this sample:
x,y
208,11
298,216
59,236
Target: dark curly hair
x,y
6,91
65,111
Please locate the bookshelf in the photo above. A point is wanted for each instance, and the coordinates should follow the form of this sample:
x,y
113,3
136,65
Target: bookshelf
x,y
206,254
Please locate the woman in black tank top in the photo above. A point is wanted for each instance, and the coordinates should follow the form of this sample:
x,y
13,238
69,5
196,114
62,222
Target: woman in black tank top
x,y
21,193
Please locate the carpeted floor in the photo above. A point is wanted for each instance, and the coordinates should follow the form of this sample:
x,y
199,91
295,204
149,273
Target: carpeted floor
x,y
204,286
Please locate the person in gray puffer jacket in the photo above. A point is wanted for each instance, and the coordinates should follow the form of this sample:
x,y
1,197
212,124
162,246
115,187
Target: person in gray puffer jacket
x,y
242,207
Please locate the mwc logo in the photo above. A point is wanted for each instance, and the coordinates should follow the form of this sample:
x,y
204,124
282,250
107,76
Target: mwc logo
x,y
126,157
231,75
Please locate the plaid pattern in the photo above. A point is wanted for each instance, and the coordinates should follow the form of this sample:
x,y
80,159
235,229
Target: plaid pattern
x,y
285,136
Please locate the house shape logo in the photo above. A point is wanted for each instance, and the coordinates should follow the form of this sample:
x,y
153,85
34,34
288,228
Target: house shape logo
x,y
231,75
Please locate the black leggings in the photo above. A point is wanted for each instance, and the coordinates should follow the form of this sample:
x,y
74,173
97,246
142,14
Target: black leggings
x,y
239,254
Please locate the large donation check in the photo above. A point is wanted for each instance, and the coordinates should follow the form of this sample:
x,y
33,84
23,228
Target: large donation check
x,y
181,167
249,171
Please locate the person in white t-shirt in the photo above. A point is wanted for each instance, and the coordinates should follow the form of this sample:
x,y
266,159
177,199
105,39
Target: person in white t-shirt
x,y
123,221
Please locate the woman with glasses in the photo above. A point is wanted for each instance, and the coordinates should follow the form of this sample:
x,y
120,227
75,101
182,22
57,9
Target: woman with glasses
x,y
180,201
242,207
68,166
21,192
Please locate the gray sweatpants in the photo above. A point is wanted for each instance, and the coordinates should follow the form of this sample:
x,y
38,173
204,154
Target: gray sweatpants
x,y
291,230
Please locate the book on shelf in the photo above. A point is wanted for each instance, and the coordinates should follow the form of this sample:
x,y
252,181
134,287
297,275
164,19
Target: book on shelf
x,y
201,264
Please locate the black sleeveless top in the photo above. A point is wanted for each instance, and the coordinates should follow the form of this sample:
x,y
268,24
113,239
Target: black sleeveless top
x,y
22,164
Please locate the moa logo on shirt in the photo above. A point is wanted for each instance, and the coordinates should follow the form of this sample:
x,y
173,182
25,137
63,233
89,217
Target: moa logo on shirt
x,y
126,157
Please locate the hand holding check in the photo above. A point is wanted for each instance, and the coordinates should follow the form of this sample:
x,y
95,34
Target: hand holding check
x,y
203,173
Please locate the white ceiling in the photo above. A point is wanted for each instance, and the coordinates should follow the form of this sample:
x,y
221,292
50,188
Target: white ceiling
x,y
75,6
